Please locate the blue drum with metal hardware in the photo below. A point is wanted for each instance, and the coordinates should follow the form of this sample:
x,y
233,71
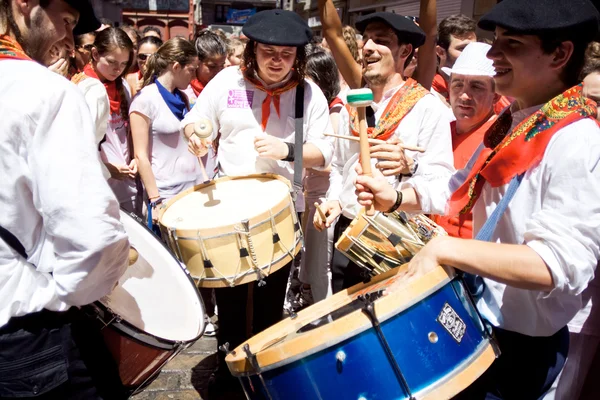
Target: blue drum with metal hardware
x,y
423,339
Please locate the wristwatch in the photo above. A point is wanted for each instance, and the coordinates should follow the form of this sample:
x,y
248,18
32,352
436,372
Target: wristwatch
x,y
412,169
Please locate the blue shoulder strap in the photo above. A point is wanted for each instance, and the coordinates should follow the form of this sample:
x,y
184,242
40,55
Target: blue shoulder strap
x,y
475,283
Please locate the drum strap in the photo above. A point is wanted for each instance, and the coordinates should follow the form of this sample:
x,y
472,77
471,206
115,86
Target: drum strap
x,y
13,242
475,283
299,138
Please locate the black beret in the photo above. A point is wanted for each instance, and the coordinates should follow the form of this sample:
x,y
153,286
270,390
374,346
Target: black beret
x,y
405,28
576,17
87,18
278,27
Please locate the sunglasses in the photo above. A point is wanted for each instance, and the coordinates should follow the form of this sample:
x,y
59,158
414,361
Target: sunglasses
x,y
143,57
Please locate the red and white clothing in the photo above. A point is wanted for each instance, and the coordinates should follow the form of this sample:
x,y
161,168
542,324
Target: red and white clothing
x,y
234,106
114,131
464,146
426,125
556,213
174,167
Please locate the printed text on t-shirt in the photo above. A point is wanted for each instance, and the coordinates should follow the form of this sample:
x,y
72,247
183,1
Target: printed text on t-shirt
x,y
240,99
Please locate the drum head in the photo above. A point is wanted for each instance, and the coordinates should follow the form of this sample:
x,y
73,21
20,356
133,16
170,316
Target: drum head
x,y
156,294
225,201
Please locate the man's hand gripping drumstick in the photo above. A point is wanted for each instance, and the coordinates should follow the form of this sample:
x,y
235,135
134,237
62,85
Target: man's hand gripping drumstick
x,y
326,214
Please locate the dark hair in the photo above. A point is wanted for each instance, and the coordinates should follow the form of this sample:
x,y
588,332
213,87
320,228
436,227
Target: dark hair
x,y
78,39
152,29
150,40
106,41
132,32
322,69
209,44
457,25
250,66
106,21
174,50
570,75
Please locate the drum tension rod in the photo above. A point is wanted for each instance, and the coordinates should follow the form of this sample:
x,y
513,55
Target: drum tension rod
x,y
225,349
251,357
369,309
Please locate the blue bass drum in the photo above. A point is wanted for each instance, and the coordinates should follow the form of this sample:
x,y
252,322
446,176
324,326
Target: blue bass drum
x,y
422,340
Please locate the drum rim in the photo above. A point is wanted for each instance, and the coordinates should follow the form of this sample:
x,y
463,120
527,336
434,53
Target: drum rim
x,y
270,355
121,324
212,182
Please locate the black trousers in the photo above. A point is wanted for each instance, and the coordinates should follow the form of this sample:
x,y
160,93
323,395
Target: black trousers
x,y
525,370
344,273
267,309
50,355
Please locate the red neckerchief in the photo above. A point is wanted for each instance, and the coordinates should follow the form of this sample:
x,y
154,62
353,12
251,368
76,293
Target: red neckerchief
x,y
440,86
197,87
522,148
271,95
11,50
399,106
336,101
111,89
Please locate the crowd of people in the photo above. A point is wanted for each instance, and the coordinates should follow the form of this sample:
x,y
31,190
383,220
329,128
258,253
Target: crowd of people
x,y
496,140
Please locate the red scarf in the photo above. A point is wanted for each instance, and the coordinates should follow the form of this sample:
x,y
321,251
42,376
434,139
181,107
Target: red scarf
x,y
336,101
11,50
111,89
522,148
440,86
271,95
197,87
399,106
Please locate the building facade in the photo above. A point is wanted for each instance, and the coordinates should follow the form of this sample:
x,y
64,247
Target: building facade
x,y
172,17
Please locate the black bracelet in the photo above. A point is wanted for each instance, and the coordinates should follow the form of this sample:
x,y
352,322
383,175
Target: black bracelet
x,y
291,152
397,203
155,203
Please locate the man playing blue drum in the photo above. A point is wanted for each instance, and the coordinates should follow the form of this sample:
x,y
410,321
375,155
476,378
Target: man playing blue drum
x,y
533,187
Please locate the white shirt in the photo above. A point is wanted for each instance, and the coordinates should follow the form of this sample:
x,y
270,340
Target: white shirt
x,y
175,168
234,106
114,130
424,126
556,212
53,196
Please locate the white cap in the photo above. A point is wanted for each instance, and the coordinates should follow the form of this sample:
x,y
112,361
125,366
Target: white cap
x,y
473,61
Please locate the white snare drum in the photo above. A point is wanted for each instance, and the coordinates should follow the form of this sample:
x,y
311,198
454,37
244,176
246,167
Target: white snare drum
x,y
384,241
233,230
154,312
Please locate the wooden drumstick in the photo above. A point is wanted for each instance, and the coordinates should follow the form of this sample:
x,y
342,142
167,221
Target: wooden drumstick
x,y
376,141
203,129
321,213
133,256
361,98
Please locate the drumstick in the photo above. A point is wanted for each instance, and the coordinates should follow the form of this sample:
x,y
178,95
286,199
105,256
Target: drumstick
x,y
377,141
321,214
203,129
361,98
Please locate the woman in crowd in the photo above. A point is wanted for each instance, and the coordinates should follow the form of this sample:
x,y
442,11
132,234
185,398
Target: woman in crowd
x,y
146,47
212,53
165,165
107,96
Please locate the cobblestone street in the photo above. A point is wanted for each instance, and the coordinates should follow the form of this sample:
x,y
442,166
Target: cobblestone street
x,y
186,376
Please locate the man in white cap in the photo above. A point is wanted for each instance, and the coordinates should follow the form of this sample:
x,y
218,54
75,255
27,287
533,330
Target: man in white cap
x,y
472,98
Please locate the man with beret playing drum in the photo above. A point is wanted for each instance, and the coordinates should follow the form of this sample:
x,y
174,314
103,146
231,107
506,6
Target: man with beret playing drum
x,y
402,111
252,111
534,197
61,243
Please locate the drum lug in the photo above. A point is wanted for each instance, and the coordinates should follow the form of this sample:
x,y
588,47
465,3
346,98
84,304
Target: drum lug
x,y
251,357
225,349
369,309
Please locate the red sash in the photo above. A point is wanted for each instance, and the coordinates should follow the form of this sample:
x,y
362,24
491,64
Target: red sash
x,y
399,106
522,148
111,87
11,50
